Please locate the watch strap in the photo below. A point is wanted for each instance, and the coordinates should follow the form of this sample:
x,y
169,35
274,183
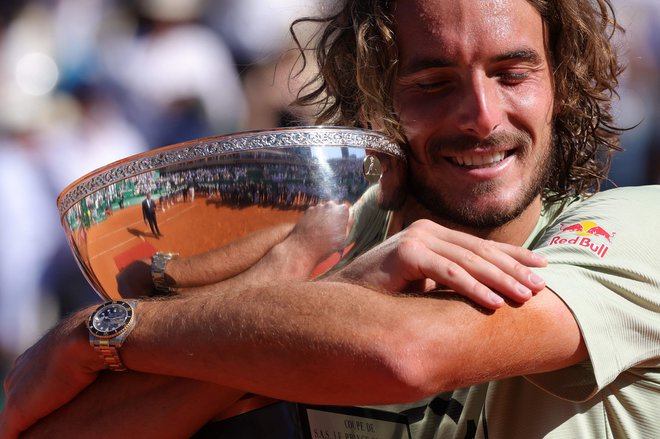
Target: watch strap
x,y
108,352
159,263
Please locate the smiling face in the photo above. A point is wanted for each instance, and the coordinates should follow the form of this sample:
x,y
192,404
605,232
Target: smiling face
x,y
474,96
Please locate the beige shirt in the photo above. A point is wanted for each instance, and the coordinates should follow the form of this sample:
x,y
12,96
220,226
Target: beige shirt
x,y
604,263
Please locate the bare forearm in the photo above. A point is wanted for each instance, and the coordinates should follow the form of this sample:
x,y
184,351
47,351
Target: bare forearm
x,y
336,343
286,262
285,253
187,274
275,341
142,405
227,261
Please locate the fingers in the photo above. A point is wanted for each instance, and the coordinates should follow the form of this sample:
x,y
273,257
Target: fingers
x,y
457,278
477,278
522,255
516,267
479,269
321,232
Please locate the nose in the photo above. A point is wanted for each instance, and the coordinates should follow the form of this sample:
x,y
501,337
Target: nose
x,y
480,109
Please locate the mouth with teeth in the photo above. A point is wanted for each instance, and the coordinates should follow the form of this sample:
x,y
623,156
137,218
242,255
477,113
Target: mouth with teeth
x,y
474,161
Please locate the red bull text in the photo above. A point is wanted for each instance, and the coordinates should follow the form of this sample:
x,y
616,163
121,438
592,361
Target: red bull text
x,y
585,234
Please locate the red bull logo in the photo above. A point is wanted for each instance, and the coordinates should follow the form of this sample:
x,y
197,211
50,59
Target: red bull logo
x,y
586,234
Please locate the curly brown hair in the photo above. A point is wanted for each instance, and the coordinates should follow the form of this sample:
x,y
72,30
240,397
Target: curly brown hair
x,y
357,61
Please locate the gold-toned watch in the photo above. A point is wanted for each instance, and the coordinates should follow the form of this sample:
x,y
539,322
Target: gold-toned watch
x,y
108,326
158,264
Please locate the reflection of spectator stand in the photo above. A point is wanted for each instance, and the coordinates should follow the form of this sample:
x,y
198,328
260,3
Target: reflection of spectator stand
x,y
86,217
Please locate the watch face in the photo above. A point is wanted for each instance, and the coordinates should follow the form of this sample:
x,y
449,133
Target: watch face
x,y
110,319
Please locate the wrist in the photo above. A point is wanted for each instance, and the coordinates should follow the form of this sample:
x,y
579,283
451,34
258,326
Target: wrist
x,y
78,346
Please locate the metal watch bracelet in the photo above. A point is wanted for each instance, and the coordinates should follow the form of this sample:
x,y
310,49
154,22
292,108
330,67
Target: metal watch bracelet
x,y
159,263
109,354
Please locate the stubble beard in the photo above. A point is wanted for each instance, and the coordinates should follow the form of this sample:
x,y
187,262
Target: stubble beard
x,y
465,215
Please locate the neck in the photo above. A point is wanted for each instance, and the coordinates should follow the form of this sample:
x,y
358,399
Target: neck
x,y
514,232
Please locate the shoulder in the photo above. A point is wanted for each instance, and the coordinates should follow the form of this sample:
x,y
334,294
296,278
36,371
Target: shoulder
x,y
602,256
643,197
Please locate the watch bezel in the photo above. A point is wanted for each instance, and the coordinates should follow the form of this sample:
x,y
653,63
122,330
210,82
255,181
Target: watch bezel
x,y
115,332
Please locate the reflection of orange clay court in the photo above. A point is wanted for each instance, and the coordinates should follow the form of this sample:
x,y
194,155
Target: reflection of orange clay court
x,y
188,228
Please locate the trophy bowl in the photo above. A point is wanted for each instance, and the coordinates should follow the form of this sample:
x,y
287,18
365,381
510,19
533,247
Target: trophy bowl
x,y
209,193
197,199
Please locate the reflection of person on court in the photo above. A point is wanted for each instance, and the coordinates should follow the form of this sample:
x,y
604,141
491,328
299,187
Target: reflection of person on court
x,y
504,106
149,214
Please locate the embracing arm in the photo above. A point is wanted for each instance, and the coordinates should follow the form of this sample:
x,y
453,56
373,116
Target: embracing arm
x,y
293,256
336,343
330,342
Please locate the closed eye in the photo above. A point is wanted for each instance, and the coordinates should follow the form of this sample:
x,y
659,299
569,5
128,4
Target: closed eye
x,y
432,86
427,82
513,78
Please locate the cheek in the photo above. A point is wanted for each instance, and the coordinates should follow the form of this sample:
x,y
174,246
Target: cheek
x,y
534,97
533,109
418,115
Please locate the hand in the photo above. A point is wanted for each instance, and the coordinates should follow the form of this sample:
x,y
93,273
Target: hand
x,y
138,405
135,280
321,231
48,375
426,255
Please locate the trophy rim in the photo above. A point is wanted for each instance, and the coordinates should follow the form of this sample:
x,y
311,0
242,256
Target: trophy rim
x,y
274,138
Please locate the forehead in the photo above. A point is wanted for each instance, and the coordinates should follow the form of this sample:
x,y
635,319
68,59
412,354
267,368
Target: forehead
x,y
463,30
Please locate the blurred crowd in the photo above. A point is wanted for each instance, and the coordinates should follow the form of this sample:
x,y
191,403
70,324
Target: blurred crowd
x,y
87,82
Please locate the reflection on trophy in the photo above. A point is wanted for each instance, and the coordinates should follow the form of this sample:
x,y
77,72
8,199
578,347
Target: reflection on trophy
x,y
133,222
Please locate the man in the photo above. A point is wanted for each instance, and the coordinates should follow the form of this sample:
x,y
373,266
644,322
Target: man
x,y
149,215
504,108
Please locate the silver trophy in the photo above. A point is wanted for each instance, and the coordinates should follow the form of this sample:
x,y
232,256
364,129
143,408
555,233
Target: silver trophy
x,y
125,221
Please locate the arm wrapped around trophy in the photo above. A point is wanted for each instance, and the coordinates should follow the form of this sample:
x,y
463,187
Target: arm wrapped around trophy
x,y
231,212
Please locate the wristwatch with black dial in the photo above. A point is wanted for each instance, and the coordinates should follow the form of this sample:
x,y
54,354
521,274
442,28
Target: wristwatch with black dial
x,y
108,326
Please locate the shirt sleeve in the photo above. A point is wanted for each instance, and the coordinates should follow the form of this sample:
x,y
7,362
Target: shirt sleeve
x,y
604,263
